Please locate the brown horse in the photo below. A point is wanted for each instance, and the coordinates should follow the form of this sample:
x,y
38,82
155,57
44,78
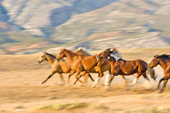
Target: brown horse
x,y
88,64
84,52
164,62
60,67
122,67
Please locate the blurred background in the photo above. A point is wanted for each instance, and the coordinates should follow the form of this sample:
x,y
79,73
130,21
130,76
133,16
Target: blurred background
x,y
139,29
29,26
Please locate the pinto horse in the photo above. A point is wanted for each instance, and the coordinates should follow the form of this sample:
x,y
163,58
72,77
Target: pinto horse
x,y
164,62
60,67
123,67
88,64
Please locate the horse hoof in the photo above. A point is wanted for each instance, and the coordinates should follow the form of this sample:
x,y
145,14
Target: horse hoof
x,y
127,89
93,86
158,91
74,83
106,88
61,84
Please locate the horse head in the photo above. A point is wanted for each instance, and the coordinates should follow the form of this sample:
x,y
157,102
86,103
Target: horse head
x,y
42,57
154,62
116,53
104,54
61,55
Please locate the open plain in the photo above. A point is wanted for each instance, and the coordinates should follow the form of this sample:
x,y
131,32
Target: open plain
x,y
21,90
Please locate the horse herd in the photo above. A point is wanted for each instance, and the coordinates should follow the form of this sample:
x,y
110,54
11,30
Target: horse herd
x,y
82,63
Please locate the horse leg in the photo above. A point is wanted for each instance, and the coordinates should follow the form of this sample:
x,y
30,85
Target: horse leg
x,y
52,73
61,79
165,82
86,76
99,77
90,77
68,79
100,74
148,81
96,81
159,83
107,81
124,79
165,78
78,77
134,81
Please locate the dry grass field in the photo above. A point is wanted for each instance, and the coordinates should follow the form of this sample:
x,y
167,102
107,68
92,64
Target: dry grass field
x,y
21,90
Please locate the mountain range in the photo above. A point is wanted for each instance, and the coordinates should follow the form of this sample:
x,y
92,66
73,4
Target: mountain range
x,y
29,26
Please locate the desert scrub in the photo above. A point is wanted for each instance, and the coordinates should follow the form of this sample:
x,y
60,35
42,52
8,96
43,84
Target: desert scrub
x,y
65,106
158,109
101,106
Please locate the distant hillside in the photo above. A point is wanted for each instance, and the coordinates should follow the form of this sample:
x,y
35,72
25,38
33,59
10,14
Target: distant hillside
x,y
28,26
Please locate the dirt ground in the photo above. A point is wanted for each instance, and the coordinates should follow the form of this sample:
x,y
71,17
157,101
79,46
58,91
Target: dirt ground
x,y
21,90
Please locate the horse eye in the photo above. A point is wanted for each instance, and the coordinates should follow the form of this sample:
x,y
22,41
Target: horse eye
x,y
154,60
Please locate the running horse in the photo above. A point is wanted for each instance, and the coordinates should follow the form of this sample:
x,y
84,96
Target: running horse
x,y
123,67
85,52
60,67
87,64
164,62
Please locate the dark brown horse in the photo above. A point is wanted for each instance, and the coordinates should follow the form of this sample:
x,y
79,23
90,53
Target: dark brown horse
x,y
60,67
88,64
123,67
164,62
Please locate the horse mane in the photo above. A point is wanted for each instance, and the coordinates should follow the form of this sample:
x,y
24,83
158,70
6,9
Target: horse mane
x,y
50,55
114,49
84,50
73,52
163,56
118,55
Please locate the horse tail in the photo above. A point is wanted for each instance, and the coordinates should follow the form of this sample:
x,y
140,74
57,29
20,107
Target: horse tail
x,y
151,71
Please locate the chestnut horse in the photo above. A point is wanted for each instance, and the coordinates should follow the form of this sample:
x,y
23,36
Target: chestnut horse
x,y
57,67
164,62
114,50
88,64
123,67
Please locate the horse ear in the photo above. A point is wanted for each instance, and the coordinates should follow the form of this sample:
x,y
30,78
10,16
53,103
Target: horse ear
x,y
80,48
156,56
108,49
44,53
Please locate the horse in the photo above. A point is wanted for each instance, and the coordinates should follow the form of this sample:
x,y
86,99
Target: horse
x,y
116,52
60,67
85,52
164,62
88,64
122,67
